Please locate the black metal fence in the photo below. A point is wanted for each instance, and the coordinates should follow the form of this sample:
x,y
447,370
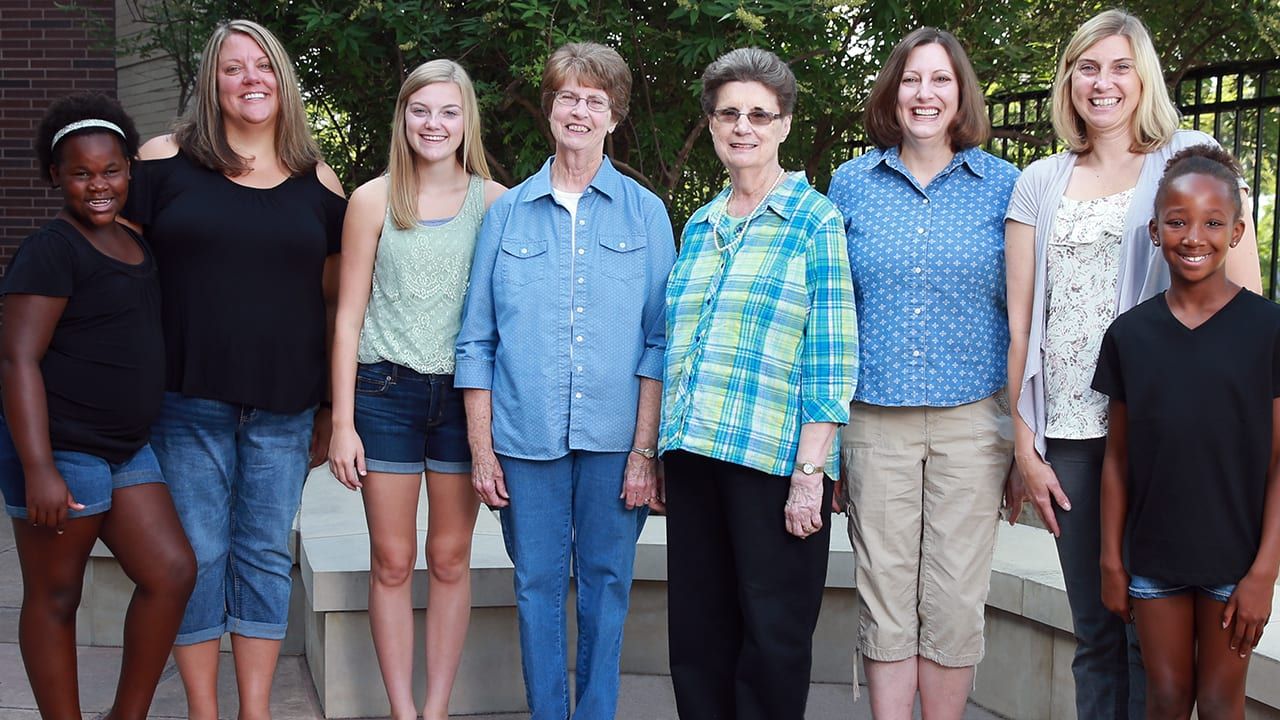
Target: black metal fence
x,y
1237,103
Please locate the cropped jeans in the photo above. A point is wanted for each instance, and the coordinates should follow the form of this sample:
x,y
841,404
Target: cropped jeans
x,y
236,475
567,512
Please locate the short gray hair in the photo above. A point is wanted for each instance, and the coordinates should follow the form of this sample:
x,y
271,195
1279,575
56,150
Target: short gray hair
x,y
749,65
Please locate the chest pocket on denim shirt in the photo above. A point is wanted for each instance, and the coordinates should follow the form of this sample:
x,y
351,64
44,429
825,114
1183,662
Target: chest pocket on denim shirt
x,y
622,256
523,261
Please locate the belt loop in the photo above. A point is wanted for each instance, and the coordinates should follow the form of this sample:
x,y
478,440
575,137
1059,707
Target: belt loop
x,y
395,372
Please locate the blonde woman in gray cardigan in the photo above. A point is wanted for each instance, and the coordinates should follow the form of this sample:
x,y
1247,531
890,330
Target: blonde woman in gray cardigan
x,y
1078,254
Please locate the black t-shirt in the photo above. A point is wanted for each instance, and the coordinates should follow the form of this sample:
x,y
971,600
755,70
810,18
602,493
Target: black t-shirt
x,y
104,369
1199,406
240,271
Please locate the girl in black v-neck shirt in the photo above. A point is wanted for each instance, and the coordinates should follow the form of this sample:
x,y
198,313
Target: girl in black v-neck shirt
x,y
81,361
1191,479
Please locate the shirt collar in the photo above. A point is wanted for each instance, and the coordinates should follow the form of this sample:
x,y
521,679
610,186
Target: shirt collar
x,y
608,181
972,158
781,201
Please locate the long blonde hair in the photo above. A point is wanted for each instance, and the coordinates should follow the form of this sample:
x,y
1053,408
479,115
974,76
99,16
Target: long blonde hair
x,y
403,191
200,131
1154,120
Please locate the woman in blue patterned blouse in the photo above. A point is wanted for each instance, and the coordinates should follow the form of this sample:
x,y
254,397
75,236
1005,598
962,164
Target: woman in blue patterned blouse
x,y
759,373
928,444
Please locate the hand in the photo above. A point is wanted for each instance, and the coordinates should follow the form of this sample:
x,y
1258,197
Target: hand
x,y
803,510
1042,487
1015,493
346,457
48,499
659,502
837,498
639,481
320,433
1115,591
1247,613
488,480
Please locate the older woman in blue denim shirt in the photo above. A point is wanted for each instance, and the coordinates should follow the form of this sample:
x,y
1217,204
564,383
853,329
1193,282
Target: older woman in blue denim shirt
x,y
561,353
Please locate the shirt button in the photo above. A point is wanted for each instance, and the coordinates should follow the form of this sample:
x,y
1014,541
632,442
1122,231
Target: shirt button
x,y
582,222
918,311
580,310
579,368
914,270
621,245
582,280
579,338
920,230
915,353
524,251
926,201
578,395
582,251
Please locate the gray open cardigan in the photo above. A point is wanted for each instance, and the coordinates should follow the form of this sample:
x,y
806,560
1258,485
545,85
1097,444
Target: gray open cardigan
x,y
1142,270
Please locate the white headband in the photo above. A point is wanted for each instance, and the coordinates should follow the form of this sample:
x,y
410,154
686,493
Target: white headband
x,y
82,124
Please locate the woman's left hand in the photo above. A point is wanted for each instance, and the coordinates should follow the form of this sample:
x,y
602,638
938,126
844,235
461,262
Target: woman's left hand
x,y
803,510
1248,610
639,481
321,431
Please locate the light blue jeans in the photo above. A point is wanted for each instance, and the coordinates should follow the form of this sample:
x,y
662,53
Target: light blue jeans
x,y
568,510
236,476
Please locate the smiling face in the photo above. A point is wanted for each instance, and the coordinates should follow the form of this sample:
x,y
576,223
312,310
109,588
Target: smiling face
x,y
246,81
93,173
928,96
741,145
1105,87
1197,223
434,123
579,129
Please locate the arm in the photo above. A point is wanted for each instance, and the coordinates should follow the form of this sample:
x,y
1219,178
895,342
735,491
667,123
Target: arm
x,y
1242,262
323,428
360,232
1249,608
803,511
1040,481
1114,507
29,321
486,471
639,480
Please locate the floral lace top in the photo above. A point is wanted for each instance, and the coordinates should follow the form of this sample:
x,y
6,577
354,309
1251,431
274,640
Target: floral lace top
x,y
1083,266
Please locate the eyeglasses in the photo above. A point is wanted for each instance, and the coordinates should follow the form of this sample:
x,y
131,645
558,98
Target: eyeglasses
x,y
757,117
595,103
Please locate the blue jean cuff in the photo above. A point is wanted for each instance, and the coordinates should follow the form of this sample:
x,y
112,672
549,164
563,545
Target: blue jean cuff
x,y
447,466
196,637
259,630
398,468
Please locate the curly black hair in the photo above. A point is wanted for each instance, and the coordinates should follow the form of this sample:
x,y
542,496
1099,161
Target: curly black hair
x,y
73,108
1204,159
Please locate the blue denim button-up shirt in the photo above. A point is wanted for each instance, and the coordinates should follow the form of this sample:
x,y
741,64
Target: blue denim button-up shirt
x,y
561,321
928,277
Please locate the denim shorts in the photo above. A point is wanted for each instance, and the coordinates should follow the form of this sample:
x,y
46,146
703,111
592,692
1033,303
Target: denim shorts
x,y
1145,588
89,478
409,421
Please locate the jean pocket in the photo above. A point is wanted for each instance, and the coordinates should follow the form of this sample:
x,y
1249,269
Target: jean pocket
x,y
622,256
523,261
372,382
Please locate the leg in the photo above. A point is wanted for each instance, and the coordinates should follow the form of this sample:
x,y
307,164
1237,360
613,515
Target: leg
x,y
883,451
194,442
1167,627
968,459
143,532
537,527
52,578
604,556
391,509
1102,664
273,450
451,506
704,622
1220,671
780,582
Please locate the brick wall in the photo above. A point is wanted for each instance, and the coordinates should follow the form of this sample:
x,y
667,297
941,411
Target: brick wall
x,y
45,53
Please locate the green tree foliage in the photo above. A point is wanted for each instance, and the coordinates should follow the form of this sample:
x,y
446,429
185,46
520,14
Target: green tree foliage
x,y
352,55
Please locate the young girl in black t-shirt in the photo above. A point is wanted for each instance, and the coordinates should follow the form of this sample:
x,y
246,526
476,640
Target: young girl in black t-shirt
x,y
1191,476
82,370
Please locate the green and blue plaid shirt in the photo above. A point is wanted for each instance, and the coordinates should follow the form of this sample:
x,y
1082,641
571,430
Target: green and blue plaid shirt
x,y
761,337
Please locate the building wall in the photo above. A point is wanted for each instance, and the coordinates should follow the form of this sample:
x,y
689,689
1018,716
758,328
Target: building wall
x,y
148,87
45,53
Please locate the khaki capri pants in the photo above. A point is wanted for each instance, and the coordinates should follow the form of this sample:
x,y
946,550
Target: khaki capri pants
x,y
924,487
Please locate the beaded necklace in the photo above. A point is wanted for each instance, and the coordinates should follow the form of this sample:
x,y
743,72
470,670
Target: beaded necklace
x,y
742,229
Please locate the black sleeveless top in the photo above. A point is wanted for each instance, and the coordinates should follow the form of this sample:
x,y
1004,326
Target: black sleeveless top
x,y
240,274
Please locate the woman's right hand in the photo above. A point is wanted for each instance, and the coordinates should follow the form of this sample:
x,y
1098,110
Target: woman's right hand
x,y
1042,488
488,480
1115,591
346,457
48,499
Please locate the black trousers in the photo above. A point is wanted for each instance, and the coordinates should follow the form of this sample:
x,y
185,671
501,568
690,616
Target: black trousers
x,y
743,593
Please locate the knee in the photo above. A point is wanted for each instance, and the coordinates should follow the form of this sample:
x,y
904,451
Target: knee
x,y
392,568
56,599
449,561
171,573
1168,698
1216,703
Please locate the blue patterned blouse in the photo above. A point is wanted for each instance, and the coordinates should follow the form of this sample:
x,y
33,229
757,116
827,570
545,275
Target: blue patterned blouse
x,y
928,276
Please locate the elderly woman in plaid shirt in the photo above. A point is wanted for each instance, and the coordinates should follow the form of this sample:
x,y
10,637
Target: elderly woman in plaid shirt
x,y
760,368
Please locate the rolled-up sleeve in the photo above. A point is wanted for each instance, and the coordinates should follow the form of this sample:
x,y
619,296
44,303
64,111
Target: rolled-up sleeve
x,y
478,335
662,255
829,355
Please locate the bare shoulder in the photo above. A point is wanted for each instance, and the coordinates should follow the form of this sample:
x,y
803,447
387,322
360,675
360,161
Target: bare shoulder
x,y
492,191
158,148
329,178
368,203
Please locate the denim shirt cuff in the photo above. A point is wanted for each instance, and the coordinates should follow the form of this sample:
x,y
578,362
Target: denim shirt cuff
x,y
473,374
650,365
